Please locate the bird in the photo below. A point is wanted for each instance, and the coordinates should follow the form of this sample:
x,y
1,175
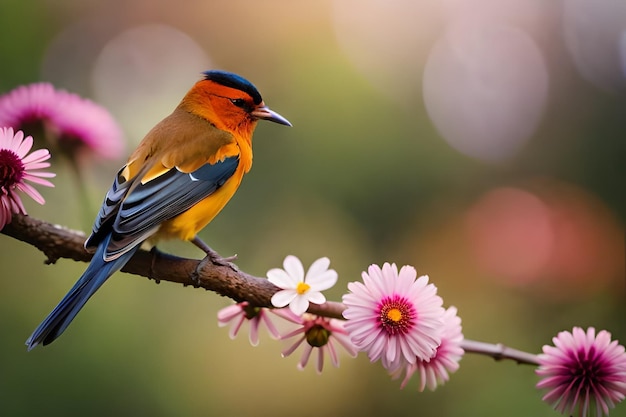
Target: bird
x,y
176,181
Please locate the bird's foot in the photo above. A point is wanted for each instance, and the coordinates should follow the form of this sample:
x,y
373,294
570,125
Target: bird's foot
x,y
155,255
215,259
211,257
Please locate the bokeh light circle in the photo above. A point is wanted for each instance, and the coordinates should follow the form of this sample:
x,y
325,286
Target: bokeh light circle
x,y
511,234
142,74
593,32
388,42
485,88
551,237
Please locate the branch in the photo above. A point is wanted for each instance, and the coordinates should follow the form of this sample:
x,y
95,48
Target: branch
x,y
59,242
227,280
499,351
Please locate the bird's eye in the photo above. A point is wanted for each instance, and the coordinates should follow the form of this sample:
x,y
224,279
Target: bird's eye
x,y
239,102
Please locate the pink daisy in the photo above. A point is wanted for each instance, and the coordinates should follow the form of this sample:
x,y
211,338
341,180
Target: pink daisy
x,y
446,360
17,167
66,121
238,314
585,373
393,316
320,333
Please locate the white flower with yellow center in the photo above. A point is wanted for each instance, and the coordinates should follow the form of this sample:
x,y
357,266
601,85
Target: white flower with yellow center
x,y
298,290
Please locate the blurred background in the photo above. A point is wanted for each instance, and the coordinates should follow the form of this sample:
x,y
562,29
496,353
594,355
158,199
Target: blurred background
x,y
483,143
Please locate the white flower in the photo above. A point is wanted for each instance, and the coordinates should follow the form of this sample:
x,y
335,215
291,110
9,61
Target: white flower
x,y
297,289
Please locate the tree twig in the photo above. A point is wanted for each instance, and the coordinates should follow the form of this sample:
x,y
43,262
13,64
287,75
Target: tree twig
x,y
58,242
499,351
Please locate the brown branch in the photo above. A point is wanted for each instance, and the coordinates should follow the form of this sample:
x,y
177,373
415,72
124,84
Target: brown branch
x,y
58,242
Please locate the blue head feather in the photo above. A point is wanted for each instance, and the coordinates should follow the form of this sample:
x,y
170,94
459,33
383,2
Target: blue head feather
x,y
229,79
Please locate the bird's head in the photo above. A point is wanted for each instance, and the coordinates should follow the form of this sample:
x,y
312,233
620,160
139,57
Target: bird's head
x,y
230,102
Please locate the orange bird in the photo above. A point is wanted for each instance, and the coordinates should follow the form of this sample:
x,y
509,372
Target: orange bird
x,y
177,180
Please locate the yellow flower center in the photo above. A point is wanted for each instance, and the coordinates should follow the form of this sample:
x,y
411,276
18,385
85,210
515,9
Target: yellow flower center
x,y
394,315
397,315
302,288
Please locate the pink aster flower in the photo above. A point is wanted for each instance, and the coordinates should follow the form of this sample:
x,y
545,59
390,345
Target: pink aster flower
x,y
585,373
238,314
297,289
319,333
446,359
393,316
66,121
17,167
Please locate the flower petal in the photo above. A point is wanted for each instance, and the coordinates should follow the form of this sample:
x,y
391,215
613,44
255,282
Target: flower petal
x,y
284,297
294,268
316,297
281,279
322,281
299,305
31,192
228,313
318,267
24,146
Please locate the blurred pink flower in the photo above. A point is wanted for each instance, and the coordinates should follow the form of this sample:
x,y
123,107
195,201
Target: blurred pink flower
x,y
237,314
297,289
66,121
446,360
394,317
17,167
320,333
585,373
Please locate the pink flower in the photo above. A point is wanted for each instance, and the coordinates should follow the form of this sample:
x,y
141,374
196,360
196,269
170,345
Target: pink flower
x,y
320,333
17,167
299,290
446,360
237,314
394,317
66,121
585,373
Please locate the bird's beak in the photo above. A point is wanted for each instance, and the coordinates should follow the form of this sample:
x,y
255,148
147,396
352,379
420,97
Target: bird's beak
x,y
265,113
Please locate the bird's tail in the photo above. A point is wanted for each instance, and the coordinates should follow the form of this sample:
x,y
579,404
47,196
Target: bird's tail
x,y
96,274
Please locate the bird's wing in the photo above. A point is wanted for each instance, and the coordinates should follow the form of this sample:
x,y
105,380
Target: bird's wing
x,y
163,179
110,206
133,216
149,204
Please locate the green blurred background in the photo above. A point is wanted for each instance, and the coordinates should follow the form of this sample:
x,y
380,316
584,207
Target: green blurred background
x,y
483,144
